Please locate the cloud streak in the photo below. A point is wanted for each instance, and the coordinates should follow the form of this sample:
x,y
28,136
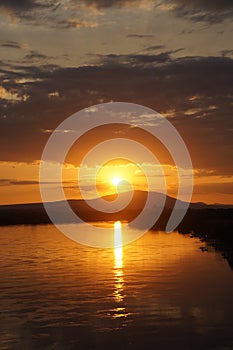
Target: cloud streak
x,y
212,11
136,60
104,4
11,45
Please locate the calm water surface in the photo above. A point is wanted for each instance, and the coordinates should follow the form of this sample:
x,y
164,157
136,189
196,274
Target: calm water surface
x,y
160,292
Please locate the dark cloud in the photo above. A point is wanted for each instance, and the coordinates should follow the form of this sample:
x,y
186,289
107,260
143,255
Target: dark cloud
x,y
74,23
154,48
212,11
9,182
210,5
34,55
27,5
23,5
133,59
101,4
196,93
136,59
140,36
11,45
32,11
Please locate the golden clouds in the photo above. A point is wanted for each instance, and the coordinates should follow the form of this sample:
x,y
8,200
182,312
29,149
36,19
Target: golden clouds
x,y
12,95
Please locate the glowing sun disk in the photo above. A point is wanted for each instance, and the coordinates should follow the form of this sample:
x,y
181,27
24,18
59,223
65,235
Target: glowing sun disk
x,y
116,181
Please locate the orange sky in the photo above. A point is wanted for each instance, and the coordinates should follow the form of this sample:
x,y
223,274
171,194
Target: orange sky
x,y
22,185
175,58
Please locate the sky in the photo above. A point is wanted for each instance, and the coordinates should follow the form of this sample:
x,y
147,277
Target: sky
x,y
58,57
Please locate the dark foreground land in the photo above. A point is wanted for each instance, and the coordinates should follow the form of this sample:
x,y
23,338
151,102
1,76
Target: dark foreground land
x,y
214,227
212,224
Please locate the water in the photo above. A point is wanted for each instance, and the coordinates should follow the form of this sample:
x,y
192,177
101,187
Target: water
x,y
160,292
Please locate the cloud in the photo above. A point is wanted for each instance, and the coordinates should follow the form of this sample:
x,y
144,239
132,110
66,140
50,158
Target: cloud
x,y
106,3
198,91
35,55
12,95
9,182
22,5
154,48
212,11
140,36
11,45
25,10
103,4
44,12
15,182
18,6
77,23
133,59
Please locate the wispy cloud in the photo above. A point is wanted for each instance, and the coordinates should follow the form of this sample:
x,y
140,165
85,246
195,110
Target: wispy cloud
x,y
133,59
77,23
140,36
212,11
103,4
9,182
11,45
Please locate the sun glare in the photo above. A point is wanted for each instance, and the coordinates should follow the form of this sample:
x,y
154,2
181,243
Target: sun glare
x,y
117,225
116,181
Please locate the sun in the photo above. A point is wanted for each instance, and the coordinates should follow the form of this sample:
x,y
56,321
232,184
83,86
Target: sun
x,y
116,181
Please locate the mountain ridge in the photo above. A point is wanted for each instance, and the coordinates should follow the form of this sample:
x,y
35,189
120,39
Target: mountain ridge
x,y
169,201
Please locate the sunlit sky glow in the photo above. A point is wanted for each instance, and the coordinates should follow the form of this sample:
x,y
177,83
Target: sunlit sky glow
x,y
60,57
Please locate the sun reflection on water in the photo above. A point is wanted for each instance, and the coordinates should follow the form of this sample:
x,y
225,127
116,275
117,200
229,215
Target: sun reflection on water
x,y
118,250
118,294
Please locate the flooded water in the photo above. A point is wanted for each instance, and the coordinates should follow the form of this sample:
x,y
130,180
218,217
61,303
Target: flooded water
x,y
160,292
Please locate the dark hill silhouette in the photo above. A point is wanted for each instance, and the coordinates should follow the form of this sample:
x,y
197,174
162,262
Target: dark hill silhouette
x,y
213,224
34,213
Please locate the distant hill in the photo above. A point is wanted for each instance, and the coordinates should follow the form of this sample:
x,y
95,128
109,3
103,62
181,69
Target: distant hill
x,y
34,213
213,224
